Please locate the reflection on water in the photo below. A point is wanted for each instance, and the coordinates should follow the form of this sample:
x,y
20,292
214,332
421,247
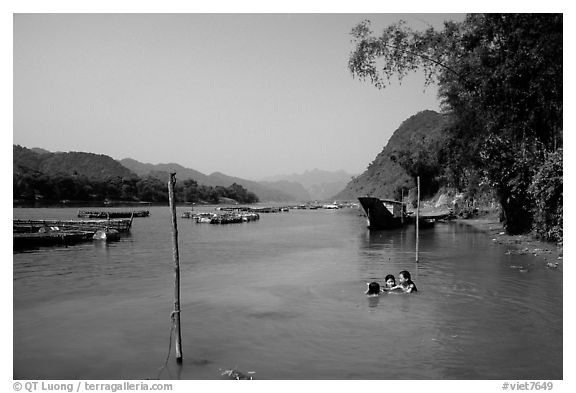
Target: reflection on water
x,y
284,297
373,301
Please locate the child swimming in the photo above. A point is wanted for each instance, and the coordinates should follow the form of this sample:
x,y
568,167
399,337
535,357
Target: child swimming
x,y
389,283
406,282
373,289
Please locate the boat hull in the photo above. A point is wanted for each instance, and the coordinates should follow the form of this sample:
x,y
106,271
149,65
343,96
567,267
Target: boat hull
x,y
378,215
106,235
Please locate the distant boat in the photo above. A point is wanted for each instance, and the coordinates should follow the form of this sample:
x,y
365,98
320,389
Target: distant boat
x,y
199,217
204,218
188,214
113,214
383,213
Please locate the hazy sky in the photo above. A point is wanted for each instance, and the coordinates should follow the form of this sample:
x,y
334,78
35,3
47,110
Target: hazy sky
x,y
249,95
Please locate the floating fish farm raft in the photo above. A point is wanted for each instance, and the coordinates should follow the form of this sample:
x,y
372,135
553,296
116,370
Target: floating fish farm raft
x,y
32,233
113,214
222,218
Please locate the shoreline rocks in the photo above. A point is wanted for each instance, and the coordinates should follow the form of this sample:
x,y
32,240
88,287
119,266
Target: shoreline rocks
x,y
550,253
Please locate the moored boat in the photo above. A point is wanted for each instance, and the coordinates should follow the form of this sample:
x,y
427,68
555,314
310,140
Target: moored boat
x,y
383,213
113,214
188,214
106,234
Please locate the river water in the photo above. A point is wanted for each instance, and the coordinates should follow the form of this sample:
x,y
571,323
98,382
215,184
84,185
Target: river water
x,y
283,298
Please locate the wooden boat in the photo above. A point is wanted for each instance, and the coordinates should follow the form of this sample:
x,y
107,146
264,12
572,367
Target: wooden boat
x,y
266,209
235,209
428,218
383,213
106,234
201,217
113,214
188,214
426,222
249,216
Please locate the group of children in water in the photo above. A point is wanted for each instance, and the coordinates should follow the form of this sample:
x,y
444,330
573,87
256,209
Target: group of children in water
x,y
405,284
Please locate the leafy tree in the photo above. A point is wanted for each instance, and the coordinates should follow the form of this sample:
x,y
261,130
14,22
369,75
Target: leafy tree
x,y
500,79
546,191
190,191
421,160
152,189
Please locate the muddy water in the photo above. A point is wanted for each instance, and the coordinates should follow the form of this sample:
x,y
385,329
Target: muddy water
x,y
283,298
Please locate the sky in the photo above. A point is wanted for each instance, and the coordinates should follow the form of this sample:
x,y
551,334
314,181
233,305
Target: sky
x,y
248,95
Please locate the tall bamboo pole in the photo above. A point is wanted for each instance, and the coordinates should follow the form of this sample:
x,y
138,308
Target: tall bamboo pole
x,y
175,256
402,206
417,217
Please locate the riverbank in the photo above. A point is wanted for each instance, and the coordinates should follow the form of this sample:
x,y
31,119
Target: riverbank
x,y
550,254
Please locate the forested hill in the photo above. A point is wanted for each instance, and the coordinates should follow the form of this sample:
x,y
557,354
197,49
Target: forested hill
x,y
42,175
92,166
182,173
384,177
278,191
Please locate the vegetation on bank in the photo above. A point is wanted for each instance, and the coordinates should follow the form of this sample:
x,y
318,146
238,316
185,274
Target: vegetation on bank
x,y
500,82
36,186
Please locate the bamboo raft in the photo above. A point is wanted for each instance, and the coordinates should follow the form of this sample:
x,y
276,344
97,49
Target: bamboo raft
x,y
32,226
113,214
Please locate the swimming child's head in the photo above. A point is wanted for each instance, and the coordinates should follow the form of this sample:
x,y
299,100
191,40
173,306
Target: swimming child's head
x,y
390,281
404,276
373,288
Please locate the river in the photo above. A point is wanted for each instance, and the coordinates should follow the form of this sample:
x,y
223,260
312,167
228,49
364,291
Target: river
x,y
283,298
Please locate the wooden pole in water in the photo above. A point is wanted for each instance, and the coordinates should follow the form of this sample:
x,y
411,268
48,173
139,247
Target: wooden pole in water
x,y
417,217
176,312
402,206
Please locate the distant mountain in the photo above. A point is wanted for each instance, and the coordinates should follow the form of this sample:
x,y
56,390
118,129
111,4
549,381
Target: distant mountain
x,y
40,151
265,192
93,166
384,176
292,188
320,185
162,170
25,160
327,191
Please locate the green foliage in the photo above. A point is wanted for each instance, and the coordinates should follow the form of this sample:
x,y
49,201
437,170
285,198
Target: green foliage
x,y
421,161
152,189
500,79
546,191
